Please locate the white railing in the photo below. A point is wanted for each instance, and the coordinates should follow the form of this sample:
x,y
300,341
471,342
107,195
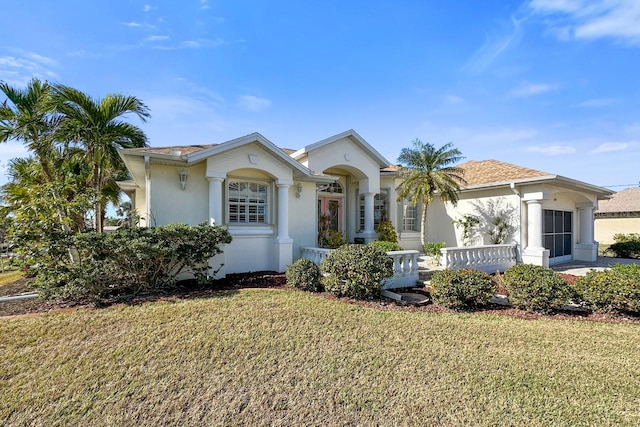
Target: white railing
x,y
488,258
405,266
317,255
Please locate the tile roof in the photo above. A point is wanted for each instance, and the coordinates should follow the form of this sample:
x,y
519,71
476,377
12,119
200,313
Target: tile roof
x,y
189,149
623,201
181,149
485,172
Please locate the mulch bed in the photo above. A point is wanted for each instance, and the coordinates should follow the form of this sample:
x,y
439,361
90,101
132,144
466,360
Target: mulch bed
x,y
272,280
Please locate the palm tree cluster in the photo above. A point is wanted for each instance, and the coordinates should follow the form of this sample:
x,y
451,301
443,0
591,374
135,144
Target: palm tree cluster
x,y
73,142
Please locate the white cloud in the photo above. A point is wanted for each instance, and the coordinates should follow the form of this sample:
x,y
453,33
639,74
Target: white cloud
x,y
253,103
156,38
530,89
18,70
552,150
608,147
453,99
586,19
494,45
132,24
148,8
598,102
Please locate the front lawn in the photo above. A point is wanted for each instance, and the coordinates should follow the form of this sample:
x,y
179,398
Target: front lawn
x,y
264,357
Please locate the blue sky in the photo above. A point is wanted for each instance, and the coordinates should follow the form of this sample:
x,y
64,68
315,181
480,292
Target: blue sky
x,y
547,84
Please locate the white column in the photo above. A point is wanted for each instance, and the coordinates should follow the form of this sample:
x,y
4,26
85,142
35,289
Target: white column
x,y
215,199
534,252
284,243
216,218
369,232
283,209
534,224
586,224
586,249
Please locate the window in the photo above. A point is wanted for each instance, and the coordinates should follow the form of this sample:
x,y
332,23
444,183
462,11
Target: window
x,y
409,216
247,202
379,208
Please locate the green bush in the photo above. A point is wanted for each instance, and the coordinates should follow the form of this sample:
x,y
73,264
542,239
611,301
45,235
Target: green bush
x,y
536,288
386,232
615,290
304,275
356,271
628,249
127,261
462,289
386,246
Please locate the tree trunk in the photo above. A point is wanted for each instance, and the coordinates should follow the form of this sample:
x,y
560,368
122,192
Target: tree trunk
x,y
423,229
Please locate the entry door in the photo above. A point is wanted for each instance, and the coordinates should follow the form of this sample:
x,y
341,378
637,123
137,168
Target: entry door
x,y
331,208
558,235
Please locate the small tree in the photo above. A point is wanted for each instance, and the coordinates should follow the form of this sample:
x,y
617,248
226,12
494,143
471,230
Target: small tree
x,y
429,173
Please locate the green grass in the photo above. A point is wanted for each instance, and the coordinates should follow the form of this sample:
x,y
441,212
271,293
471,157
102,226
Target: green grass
x,y
8,277
264,357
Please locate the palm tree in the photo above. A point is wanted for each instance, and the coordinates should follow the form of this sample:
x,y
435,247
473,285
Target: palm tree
x,y
24,116
429,172
98,127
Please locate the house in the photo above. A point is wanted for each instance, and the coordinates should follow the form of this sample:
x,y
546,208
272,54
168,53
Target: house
x,y
271,199
618,215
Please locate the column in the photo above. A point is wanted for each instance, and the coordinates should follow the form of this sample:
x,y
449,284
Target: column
x,y
534,224
216,264
283,210
215,199
586,223
369,232
586,249
284,243
534,252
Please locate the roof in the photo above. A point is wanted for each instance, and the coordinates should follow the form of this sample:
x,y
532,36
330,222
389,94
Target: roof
x,y
623,201
176,150
354,136
483,172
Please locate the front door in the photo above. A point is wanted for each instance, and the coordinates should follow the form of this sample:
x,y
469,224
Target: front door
x,y
330,213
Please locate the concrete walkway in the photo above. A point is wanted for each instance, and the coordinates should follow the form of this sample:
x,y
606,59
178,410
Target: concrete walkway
x,y
581,268
577,268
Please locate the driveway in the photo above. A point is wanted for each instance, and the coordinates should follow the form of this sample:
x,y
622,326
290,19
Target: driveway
x,y
581,268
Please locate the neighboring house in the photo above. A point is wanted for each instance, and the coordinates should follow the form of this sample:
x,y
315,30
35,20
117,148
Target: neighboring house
x,y
618,215
270,199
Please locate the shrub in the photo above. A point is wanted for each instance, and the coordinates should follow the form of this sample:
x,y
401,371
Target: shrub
x,y
433,249
627,249
304,275
535,288
386,232
129,260
614,290
386,246
332,239
461,289
356,271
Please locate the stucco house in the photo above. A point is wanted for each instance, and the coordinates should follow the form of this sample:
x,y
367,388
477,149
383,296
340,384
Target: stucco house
x,y
618,215
271,199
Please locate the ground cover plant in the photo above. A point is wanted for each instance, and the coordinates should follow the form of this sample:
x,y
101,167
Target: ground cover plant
x,y
266,356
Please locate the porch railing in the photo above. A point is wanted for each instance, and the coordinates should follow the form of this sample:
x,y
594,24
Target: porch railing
x,y
405,265
488,258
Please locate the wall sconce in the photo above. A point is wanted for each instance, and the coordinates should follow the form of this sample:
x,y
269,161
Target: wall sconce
x,y
183,179
298,190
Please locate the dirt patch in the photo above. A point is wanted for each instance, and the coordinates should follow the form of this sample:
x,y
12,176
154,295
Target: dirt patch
x,y
14,288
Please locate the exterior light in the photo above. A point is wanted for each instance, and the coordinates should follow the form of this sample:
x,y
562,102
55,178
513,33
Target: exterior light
x,y
183,179
299,190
